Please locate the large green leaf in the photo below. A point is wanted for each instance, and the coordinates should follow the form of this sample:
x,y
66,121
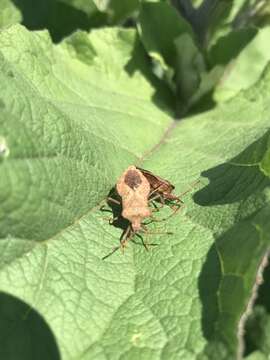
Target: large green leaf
x,y
72,118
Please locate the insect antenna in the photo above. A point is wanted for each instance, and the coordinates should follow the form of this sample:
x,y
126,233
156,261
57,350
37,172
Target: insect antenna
x,y
111,253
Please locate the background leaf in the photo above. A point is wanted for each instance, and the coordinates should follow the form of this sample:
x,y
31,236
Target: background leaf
x,y
63,17
258,330
246,68
71,120
118,10
9,14
230,45
169,40
159,26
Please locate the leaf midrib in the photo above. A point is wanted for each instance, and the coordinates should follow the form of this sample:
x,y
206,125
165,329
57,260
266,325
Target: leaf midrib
x,y
163,138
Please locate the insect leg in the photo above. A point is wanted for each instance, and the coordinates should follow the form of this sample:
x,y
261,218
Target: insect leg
x,y
110,219
127,235
156,208
109,199
145,244
155,190
157,197
175,210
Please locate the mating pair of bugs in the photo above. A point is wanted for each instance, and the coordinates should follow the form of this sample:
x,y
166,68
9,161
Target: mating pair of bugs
x,y
137,190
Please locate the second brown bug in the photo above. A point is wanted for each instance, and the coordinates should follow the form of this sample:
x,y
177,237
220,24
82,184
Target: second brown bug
x,y
162,191
160,188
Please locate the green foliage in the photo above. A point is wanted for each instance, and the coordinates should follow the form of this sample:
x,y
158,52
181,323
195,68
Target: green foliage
x,y
9,13
62,17
246,68
62,162
73,116
203,60
258,327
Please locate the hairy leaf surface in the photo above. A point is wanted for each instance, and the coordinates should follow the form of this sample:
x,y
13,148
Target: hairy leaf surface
x,y
72,118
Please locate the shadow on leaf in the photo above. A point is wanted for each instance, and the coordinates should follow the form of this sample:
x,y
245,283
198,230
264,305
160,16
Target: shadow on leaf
x,y
227,278
115,219
230,268
163,97
58,17
114,211
238,178
230,183
24,334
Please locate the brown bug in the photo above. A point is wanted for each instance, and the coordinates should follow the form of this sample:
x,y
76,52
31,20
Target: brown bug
x,y
134,190
161,190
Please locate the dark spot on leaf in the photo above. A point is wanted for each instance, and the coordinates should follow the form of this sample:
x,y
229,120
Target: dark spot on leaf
x,y
33,53
2,104
83,48
10,74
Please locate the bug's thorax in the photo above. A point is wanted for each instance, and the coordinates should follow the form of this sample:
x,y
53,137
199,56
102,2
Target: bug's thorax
x,y
132,182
